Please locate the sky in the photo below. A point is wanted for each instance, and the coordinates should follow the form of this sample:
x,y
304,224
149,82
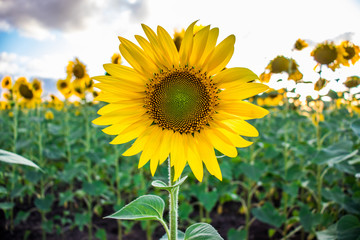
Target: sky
x,y
38,38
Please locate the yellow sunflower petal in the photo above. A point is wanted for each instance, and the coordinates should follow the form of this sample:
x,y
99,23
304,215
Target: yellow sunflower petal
x,y
124,72
244,91
168,44
210,45
238,74
199,45
242,109
220,142
117,116
186,45
193,158
207,155
139,143
220,56
129,133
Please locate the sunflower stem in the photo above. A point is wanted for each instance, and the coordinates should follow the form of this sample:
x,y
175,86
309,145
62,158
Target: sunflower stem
x,y
173,198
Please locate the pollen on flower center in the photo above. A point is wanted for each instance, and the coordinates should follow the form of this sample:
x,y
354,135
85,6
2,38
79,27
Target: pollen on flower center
x,y
182,100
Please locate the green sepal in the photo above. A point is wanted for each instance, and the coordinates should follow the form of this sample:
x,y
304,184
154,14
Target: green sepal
x,y
161,185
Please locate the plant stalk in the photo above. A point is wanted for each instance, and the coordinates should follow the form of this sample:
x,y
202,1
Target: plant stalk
x,y
173,198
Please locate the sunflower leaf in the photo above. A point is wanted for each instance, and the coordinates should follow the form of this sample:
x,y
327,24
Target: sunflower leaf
x,y
202,231
161,185
13,158
147,207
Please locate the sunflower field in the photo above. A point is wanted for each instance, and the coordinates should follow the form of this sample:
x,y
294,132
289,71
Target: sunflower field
x,y
293,174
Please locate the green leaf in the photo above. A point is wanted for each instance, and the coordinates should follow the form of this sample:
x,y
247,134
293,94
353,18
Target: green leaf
x,y
21,216
307,219
81,219
185,209
268,214
13,158
335,154
161,185
355,126
44,204
234,234
254,172
201,231
208,199
328,234
348,228
6,205
95,188
147,207
3,191
101,234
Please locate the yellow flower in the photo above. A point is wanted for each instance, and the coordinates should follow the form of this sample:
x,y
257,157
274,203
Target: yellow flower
x,y
37,88
25,94
5,105
116,58
351,52
11,114
78,86
179,103
56,102
282,64
64,87
49,115
76,69
320,84
325,53
352,81
316,118
300,44
6,82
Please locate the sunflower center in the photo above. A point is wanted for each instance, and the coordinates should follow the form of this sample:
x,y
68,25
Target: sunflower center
x,y
36,86
63,85
78,71
325,54
25,91
181,100
351,53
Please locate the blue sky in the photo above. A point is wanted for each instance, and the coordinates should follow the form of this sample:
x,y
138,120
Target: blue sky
x,y
38,38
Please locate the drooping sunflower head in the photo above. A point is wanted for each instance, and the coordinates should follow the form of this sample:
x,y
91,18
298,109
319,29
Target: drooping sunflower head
x,y
179,103
320,84
6,82
116,58
352,81
300,44
281,64
325,53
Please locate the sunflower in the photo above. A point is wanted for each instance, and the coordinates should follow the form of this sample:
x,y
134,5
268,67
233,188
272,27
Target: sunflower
x,y
116,58
4,105
281,64
320,84
6,82
64,87
76,69
25,93
325,54
49,115
349,52
56,102
352,81
78,86
300,44
179,103
272,97
37,87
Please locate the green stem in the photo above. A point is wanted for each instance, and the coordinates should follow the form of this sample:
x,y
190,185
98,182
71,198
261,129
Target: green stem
x,y
87,149
319,168
117,189
173,198
15,136
41,163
